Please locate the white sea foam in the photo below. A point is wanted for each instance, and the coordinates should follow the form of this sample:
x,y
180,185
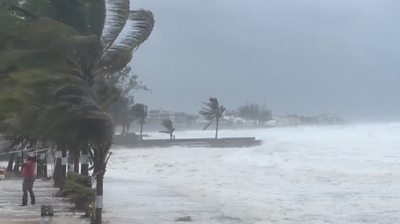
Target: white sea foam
x,y
337,174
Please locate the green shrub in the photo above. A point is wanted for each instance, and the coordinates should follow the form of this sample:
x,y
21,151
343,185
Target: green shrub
x,y
78,190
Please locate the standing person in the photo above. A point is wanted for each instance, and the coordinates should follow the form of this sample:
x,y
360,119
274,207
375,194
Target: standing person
x,y
28,172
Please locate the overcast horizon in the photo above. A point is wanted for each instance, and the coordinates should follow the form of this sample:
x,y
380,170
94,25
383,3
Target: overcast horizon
x,y
308,57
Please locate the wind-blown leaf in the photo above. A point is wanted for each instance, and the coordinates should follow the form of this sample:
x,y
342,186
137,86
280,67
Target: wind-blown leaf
x,y
117,13
136,31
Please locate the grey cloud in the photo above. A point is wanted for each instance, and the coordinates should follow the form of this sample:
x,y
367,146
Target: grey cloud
x,y
303,56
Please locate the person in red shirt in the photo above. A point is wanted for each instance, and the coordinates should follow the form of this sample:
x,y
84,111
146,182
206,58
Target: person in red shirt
x,y
29,174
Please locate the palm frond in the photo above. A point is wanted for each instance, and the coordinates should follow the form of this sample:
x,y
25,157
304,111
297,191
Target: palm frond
x,y
167,124
211,111
117,14
136,31
139,111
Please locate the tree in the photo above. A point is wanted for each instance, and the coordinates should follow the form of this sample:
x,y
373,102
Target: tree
x,y
121,114
128,83
139,112
255,112
169,128
53,71
212,111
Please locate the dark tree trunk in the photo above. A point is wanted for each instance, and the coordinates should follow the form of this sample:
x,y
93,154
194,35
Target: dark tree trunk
x,y
76,161
85,162
99,175
58,170
99,198
10,162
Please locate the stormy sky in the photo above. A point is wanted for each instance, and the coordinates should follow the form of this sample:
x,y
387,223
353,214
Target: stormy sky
x,y
295,56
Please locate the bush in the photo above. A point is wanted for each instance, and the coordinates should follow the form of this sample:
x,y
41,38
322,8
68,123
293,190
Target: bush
x,y
78,190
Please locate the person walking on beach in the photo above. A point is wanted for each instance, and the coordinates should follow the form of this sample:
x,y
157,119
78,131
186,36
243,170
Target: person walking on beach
x,y
28,172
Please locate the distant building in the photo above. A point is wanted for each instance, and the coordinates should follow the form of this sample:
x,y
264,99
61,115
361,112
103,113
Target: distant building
x,y
159,115
177,118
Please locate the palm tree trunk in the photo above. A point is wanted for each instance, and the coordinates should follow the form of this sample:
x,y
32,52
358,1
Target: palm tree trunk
x,y
141,131
216,128
57,175
99,198
99,174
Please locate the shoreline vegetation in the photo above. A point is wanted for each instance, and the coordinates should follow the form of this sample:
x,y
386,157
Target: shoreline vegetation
x,y
187,142
62,66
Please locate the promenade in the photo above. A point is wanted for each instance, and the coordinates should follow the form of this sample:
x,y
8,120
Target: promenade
x,y
12,213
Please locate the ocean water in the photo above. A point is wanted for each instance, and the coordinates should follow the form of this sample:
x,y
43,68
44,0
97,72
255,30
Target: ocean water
x,y
333,174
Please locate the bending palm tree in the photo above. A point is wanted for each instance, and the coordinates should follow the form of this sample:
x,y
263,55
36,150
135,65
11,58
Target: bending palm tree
x,y
212,111
54,50
169,128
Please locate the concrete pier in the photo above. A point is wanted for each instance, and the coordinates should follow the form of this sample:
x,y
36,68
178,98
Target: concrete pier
x,y
12,213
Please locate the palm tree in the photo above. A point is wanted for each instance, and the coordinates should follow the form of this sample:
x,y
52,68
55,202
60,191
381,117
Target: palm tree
x,y
139,112
169,128
212,111
96,41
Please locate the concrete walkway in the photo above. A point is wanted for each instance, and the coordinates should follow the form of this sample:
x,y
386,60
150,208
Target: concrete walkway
x,y
12,213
